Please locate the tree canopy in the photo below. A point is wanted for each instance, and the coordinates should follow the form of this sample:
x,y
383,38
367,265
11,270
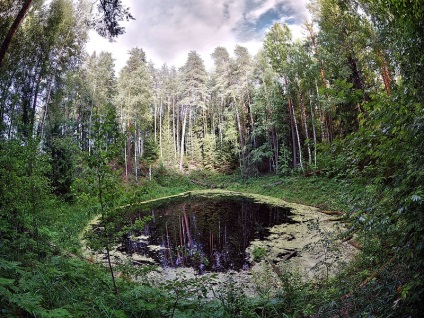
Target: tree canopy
x,y
340,108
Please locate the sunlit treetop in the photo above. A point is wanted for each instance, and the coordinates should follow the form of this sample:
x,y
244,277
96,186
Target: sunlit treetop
x,y
110,14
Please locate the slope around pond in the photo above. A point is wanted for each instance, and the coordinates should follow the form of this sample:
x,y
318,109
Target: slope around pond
x,y
308,243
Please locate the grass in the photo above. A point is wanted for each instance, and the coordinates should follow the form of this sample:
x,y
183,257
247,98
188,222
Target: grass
x,y
64,222
321,192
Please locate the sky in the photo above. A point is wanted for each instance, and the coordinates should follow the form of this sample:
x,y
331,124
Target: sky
x,y
167,30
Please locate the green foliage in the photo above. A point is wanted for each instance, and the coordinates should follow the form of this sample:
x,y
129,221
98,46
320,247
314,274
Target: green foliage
x,y
276,46
210,160
151,151
386,155
233,302
24,190
63,153
19,296
258,253
259,155
284,160
170,179
372,169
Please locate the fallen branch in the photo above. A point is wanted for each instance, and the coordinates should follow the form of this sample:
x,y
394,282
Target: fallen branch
x,y
350,241
372,276
331,212
377,272
290,255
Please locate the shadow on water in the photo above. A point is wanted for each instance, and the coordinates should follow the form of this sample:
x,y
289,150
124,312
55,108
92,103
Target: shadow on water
x,y
203,233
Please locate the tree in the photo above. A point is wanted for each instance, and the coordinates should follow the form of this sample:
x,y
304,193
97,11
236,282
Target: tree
x,y
220,101
110,14
240,99
271,117
101,83
135,99
47,48
106,23
396,23
105,180
342,38
276,45
14,27
150,154
193,103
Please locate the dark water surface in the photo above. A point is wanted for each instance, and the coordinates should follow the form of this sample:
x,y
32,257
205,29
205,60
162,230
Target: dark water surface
x,y
203,233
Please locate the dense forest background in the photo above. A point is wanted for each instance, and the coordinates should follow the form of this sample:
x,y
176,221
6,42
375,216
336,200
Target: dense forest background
x,y
344,104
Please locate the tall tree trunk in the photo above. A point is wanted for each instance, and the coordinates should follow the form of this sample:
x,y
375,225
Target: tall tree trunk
x,y
305,125
160,128
384,69
15,25
174,130
141,147
190,144
129,168
292,130
356,76
322,118
239,126
125,145
44,117
24,127
276,149
252,121
183,131
326,119
313,130
205,121
168,130
298,138
213,127
35,97
155,118
135,151
177,134
220,121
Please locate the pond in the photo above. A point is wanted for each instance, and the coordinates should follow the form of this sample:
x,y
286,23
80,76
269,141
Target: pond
x,y
204,232
224,232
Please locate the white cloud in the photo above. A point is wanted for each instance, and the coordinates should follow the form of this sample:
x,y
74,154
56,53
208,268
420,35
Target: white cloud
x,y
263,7
167,30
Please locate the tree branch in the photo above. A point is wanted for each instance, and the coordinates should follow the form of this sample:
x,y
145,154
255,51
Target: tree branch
x,y
13,29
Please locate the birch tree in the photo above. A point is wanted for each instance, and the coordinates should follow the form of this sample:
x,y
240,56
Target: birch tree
x,y
135,100
276,45
193,106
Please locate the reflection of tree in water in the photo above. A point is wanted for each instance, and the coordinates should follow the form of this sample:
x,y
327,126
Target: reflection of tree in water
x,y
205,234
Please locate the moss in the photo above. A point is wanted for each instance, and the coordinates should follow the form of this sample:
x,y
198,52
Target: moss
x,y
309,244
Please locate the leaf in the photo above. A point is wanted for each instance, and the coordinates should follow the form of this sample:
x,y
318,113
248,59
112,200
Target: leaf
x,y
6,281
416,198
27,301
7,265
56,313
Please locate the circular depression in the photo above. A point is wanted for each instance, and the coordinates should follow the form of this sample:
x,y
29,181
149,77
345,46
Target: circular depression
x,y
205,231
219,230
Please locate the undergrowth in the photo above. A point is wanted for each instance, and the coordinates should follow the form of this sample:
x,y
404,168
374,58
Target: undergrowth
x,y
61,283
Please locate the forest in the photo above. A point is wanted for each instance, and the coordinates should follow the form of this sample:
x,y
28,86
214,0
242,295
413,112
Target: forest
x,y
333,120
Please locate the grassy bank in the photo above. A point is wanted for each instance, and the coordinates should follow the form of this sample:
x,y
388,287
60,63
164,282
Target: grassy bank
x,y
63,284
64,221
321,192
